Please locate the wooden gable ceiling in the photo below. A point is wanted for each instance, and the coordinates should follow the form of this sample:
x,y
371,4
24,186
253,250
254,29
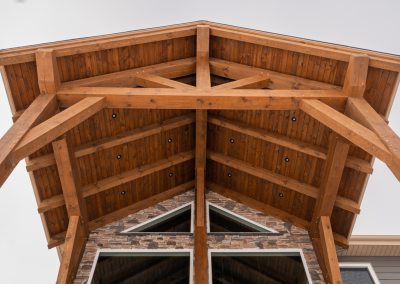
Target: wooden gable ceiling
x,y
128,156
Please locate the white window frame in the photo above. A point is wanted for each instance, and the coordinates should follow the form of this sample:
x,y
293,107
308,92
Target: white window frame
x,y
255,251
234,215
191,204
367,265
153,252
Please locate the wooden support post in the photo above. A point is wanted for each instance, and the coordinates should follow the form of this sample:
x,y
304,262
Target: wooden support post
x,y
348,128
329,251
203,79
47,69
332,174
361,111
356,76
59,124
73,247
42,108
70,181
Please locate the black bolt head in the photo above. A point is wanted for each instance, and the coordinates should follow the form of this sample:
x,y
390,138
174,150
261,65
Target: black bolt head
x,y
287,160
294,118
232,140
114,115
280,194
229,175
119,157
171,174
123,192
169,140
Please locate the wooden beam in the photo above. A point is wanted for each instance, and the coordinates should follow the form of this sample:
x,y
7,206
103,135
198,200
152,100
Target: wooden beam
x,y
281,180
59,124
348,128
116,180
254,82
356,76
47,70
278,81
331,177
173,69
297,145
70,180
302,46
17,115
101,43
131,209
122,138
200,255
153,81
361,111
201,99
329,250
201,147
203,79
317,245
71,249
41,109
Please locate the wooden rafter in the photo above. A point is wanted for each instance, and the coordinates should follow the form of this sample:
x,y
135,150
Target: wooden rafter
x,y
47,70
356,76
144,98
126,137
42,108
116,180
331,177
297,145
348,128
59,124
281,180
70,180
153,81
254,82
361,111
203,82
278,81
131,209
73,248
172,69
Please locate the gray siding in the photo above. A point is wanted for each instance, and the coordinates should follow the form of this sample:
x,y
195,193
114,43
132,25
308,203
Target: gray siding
x,y
387,268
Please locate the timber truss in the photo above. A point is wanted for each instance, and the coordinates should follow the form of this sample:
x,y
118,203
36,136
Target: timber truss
x,y
219,85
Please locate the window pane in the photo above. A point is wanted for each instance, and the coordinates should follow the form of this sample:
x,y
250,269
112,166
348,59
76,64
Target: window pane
x,y
257,269
356,276
142,269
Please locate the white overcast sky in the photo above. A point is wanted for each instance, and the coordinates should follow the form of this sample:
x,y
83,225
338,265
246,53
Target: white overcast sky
x,y
374,25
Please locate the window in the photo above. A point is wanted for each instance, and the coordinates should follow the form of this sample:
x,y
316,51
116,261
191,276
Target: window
x,y
257,266
142,266
358,273
179,220
220,219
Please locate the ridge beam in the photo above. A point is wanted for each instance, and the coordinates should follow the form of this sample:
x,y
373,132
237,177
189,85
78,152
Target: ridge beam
x,y
237,71
362,112
147,80
297,145
348,128
104,184
105,143
295,185
254,82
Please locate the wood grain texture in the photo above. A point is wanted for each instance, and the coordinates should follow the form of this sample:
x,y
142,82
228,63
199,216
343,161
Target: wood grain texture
x,y
203,80
201,148
42,108
253,82
47,70
200,255
356,76
349,129
153,81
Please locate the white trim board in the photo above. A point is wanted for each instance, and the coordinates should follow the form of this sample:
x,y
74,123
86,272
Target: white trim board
x,y
143,252
235,216
163,217
250,252
361,265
